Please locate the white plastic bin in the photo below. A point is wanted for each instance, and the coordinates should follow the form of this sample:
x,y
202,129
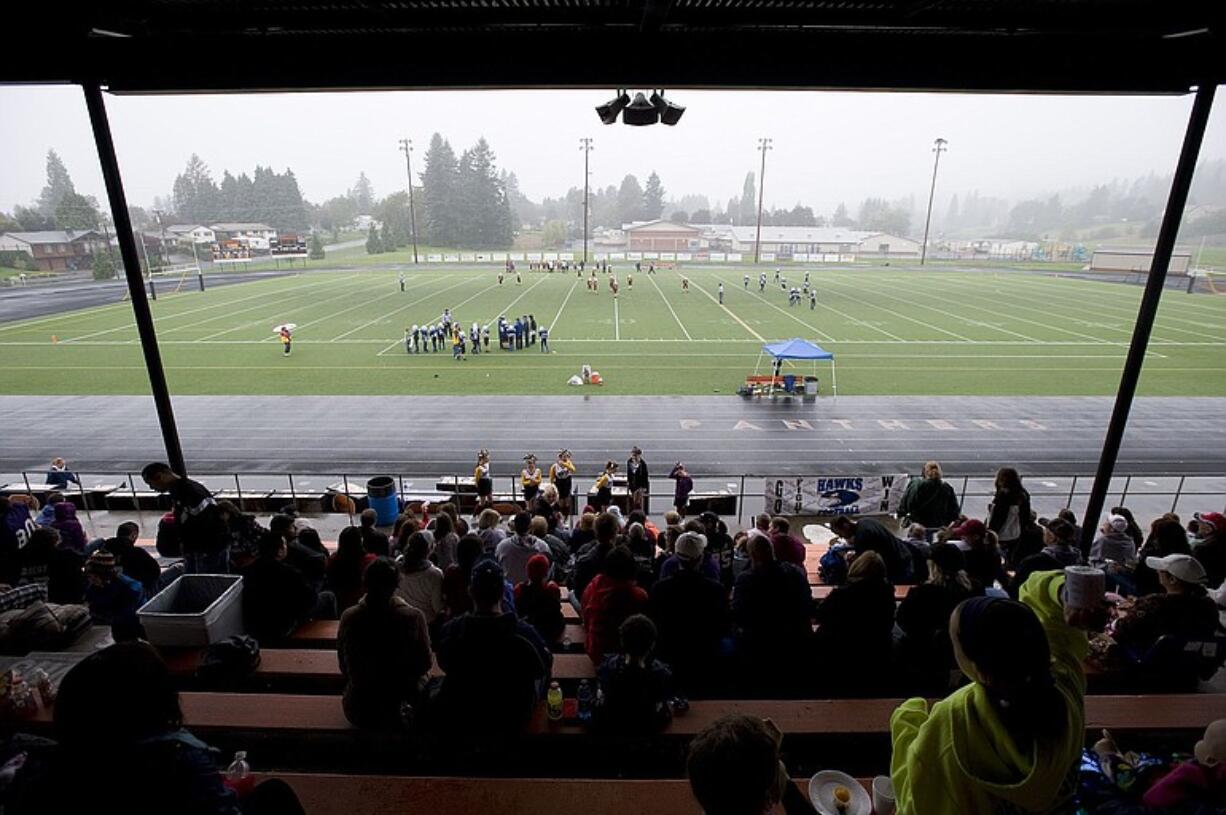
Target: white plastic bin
x,y
195,610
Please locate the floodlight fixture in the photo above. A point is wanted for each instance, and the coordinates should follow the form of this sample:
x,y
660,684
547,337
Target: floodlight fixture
x,y
640,112
670,113
609,110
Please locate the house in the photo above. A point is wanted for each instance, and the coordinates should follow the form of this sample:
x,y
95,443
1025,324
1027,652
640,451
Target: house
x,y
56,250
188,234
1131,260
662,236
883,244
256,234
786,241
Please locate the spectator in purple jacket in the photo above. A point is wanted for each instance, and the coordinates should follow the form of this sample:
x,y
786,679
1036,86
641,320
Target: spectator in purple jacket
x,y
685,485
72,534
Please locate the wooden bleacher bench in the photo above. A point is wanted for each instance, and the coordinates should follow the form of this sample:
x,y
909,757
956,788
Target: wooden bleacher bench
x,y
320,667
322,633
305,715
330,794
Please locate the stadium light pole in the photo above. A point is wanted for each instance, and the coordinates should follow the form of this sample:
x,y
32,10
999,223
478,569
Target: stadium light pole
x,y
585,144
938,147
1148,310
407,146
764,144
131,267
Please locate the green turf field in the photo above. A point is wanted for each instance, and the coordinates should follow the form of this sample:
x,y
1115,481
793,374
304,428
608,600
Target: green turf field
x,y
893,331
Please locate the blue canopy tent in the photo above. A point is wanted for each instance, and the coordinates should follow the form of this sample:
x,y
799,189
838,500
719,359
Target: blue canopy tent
x,y
796,348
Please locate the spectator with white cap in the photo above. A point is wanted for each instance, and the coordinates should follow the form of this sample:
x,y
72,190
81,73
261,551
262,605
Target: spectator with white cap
x,y
690,610
1114,544
1183,609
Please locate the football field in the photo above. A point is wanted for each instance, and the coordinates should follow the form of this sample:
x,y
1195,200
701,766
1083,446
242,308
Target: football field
x,y
892,330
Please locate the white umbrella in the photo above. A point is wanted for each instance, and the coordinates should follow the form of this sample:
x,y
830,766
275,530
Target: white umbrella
x,y
277,329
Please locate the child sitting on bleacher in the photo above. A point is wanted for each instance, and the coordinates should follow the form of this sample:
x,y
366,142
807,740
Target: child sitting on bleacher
x,y
538,600
635,687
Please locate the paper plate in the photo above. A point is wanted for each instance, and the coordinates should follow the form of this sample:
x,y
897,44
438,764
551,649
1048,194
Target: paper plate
x,y
821,794
276,329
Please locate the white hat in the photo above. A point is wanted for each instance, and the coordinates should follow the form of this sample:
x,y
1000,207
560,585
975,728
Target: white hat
x,y
690,545
1118,522
1185,567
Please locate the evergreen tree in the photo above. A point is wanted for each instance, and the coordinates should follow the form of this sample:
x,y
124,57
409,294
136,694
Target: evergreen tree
x,y
76,212
841,218
653,197
290,209
59,184
103,266
196,197
952,216
701,216
316,250
748,209
386,239
373,245
680,217
31,220
440,185
363,195
629,201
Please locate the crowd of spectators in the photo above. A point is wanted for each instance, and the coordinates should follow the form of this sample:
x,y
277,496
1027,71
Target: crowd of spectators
x,y
690,609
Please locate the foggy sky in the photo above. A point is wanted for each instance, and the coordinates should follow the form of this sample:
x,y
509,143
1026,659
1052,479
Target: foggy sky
x,y
828,147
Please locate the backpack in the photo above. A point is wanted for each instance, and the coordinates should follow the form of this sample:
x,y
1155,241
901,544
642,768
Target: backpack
x,y
228,662
832,568
167,541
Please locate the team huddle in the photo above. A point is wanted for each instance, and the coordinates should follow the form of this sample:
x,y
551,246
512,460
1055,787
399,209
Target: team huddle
x,y
448,332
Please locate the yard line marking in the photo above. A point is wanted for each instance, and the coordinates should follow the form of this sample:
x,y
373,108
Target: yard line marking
x,y
362,303
553,327
962,292
159,319
617,332
959,317
744,325
652,278
902,316
308,291
502,312
821,334
402,308
1123,310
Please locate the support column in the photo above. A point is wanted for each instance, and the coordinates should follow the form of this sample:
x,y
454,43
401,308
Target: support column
x,y
1148,309
131,266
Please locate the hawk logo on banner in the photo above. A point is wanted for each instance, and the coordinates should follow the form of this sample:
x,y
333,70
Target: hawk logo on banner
x,y
827,496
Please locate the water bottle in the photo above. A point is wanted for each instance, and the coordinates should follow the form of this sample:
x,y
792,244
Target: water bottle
x,y
585,701
553,701
238,775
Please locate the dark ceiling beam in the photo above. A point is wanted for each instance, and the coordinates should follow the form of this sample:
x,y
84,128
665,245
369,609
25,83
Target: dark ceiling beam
x,y
746,59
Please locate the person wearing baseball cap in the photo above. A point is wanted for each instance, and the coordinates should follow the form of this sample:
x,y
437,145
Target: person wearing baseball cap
x,y
495,666
1060,543
690,609
112,596
1210,547
1183,609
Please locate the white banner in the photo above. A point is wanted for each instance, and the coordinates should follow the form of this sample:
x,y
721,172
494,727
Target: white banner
x,y
734,257
683,256
566,256
468,257
718,257
551,256
634,255
802,257
434,258
534,256
768,256
515,256
651,256
827,496
499,257
668,256
451,258
617,256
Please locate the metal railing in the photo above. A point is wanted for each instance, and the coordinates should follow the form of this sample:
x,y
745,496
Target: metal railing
x,y
1146,496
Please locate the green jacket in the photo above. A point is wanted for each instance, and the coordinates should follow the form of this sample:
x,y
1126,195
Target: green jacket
x,y
958,759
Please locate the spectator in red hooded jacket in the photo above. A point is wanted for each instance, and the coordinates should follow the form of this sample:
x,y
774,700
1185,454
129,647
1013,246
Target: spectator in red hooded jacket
x,y
538,600
608,600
